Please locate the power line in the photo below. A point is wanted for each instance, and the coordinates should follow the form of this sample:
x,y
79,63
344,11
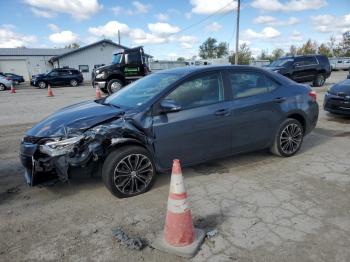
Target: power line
x,y
204,19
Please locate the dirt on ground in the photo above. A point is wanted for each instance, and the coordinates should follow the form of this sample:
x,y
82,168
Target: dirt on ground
x,y
265,208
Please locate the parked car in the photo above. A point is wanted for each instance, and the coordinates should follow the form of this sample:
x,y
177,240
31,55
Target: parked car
x,y
315,68
340,63
58,77
195,114
5,83
16,79
337,98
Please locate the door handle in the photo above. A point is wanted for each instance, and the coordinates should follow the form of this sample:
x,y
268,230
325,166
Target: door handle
x,y
280,99
222,112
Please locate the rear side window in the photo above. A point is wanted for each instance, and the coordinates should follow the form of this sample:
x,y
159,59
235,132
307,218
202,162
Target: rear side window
x,y
200,91
245,84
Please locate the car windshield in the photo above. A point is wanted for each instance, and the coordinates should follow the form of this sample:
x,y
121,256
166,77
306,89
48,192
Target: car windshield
x,y
117,58
282,62
141,91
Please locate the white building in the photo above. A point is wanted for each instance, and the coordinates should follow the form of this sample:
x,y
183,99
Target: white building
x,y
31,61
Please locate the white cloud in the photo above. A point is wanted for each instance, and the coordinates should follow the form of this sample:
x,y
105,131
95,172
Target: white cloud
x,y
161,17
288,6
213,27
163,28
273,21
296,36
110,29
212,6
266,33
42,13
186,45
140,37
138,8
330,23
11,39
53,27
188,15
78,9
63,37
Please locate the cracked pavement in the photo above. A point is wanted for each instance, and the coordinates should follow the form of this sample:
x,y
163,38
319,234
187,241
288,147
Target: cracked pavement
x,y
265,208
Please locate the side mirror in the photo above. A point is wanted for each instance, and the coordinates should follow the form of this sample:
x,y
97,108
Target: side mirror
x,y
169,105
126,59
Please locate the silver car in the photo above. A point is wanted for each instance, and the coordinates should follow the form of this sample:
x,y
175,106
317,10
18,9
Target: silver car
x,y
5,83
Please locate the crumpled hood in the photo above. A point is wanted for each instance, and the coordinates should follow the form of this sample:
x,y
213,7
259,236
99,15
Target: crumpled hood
x,y
74,119
342,87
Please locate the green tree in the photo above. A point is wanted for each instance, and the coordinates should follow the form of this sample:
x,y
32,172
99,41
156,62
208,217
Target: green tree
x,y
323,49
277,53
212,49
292,50
308,48
181,59
344,44
222,50
244,55
264,56
72,46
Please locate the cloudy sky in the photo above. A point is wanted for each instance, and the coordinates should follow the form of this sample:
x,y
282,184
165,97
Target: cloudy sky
x,y
168,29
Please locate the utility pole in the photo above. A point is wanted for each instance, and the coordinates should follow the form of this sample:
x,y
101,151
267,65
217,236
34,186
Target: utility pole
x,y
118,37
237,31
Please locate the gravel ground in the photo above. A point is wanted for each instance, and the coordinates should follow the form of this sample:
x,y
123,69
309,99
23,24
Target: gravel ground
x,y
265,208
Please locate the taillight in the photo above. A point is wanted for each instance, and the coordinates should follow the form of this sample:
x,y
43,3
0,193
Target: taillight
x,y
313,95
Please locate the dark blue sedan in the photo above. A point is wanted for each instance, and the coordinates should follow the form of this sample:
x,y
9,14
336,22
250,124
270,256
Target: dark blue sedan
x,y
337,98
194,114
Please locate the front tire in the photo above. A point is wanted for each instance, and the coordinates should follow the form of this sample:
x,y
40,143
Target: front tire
x,y
73,82
114,85
2,87
42,84
288,139
128,171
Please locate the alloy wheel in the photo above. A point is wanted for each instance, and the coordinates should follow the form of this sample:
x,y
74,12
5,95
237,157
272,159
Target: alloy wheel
x,y
2,87
42,84
133,174
73,83
320,80
290,138
115,86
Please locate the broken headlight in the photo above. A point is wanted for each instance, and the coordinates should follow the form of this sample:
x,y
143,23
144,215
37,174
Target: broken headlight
x,y
61,147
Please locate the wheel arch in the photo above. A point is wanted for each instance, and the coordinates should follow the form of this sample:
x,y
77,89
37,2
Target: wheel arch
x,y
300,117
116,76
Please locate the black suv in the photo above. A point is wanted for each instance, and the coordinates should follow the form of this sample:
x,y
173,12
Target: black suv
x,y
315,68
57,77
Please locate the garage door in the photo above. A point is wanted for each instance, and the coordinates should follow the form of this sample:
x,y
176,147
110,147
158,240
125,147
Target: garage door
x,y
18,67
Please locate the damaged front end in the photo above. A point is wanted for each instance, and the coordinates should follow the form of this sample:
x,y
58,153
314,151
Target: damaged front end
x,y
48,158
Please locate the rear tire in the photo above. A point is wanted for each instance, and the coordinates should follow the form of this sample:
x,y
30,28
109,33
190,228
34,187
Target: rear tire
x,y
128,171
288,139
2,87
319,80
114,85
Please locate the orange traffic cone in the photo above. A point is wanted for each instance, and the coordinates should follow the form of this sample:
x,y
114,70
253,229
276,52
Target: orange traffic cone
x,y
13,89
179,236
49,91
98,92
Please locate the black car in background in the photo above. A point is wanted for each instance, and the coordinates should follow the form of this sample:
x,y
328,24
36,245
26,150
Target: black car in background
x,y
195,114
315,68
58,77
16,79
337,98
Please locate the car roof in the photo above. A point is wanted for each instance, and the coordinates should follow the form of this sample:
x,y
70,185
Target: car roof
x,y
197,69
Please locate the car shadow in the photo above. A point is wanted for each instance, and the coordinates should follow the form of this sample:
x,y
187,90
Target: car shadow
x,y
337,118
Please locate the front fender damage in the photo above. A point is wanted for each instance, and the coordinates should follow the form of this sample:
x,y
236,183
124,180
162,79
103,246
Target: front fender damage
x,y
94,145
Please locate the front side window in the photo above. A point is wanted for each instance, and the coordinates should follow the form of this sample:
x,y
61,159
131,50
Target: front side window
x,y
246,84
204,90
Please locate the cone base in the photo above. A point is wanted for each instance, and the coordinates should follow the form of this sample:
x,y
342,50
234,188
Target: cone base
x,y
187,251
